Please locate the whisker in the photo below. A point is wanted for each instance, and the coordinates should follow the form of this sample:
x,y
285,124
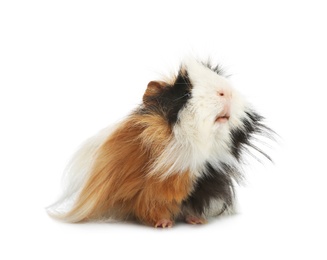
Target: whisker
x,y
182,96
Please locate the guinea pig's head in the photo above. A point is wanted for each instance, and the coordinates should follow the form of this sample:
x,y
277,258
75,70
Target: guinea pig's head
x,y
199,98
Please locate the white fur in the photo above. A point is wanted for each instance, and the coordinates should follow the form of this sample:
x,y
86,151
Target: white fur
x,y
216,207
77,171
197,138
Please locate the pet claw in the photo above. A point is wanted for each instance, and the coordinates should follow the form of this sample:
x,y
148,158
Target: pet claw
x,y
195,220
164,223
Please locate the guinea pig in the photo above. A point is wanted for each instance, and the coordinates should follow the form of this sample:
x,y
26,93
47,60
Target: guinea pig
x,y
176,157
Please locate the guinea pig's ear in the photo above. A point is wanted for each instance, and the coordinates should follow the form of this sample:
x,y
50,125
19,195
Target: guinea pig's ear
x,y
154,88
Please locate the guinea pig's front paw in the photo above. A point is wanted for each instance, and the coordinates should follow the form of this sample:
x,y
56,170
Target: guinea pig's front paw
x,y
195,220
164,223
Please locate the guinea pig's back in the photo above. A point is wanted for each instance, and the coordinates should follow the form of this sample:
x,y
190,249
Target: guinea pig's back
x,y
77,171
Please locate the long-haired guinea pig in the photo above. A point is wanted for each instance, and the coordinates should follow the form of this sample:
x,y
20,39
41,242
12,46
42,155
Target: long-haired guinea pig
x,y
176,157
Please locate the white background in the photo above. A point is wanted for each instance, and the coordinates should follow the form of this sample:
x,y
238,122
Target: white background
x,y
69,68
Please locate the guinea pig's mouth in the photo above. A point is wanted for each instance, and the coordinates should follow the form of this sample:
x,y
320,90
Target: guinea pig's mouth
x,y
222,118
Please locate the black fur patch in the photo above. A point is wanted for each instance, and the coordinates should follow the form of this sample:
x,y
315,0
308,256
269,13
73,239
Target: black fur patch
x,y
241,137
171,99
215,184
219,183
215,68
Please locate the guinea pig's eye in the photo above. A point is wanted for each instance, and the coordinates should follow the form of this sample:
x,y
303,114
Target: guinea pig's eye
x,y
187,95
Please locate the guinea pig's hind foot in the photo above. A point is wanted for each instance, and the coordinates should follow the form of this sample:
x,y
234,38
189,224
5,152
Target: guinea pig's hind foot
x,y
195,220
164,223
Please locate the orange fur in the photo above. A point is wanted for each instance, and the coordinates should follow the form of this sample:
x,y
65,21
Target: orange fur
x,y
162,199
119,185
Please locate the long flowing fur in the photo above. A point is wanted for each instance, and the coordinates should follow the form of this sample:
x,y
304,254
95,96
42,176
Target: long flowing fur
x,y
176,156
77,171
130,150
